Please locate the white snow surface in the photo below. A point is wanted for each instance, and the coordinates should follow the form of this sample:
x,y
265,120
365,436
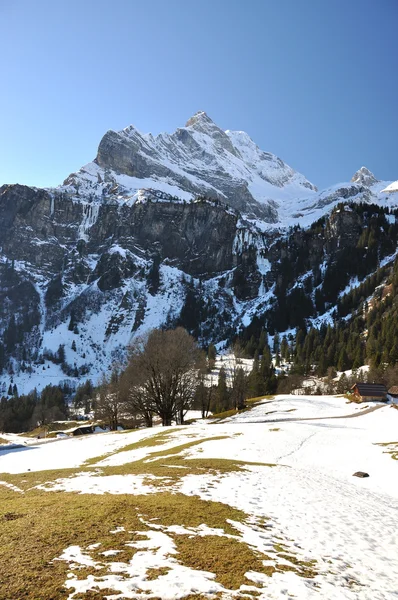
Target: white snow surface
x,y
393,187
310,499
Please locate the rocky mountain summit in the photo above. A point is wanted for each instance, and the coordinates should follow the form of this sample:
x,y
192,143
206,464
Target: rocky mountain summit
x,y
364,177
198,159
199,228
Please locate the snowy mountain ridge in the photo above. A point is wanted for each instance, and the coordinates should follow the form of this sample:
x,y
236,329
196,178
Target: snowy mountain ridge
x,y
201,159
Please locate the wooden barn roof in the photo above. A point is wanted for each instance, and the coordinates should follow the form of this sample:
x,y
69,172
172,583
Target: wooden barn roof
x,y
371,389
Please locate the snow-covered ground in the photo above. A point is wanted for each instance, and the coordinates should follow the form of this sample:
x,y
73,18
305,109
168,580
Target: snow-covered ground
x,y
230,364
310,499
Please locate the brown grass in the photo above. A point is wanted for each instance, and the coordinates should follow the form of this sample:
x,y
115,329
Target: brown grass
x,y
51,428
48,523
259,399
152,440
392,449
37,526
229,558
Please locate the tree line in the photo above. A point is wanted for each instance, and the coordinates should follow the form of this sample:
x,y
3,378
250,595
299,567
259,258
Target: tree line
x,y
366,332
166,375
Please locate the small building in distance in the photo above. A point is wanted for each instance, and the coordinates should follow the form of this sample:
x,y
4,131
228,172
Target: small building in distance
x,y
83,430
393,392
365,392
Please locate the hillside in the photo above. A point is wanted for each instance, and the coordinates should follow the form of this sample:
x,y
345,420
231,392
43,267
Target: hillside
x,y
263,505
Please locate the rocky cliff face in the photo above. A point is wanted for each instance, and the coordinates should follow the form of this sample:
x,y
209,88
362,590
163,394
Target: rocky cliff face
x,y
187,228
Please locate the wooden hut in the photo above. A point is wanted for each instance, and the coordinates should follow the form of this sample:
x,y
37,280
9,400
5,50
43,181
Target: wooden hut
x,y
83,430
365,392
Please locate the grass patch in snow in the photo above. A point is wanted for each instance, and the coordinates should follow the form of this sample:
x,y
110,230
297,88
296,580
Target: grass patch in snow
x,y
169,465
50,429
250,403
48,523
392,449
156,455
229,558
163,437
181,448
37,527
303,568
225,414
4,441
259,399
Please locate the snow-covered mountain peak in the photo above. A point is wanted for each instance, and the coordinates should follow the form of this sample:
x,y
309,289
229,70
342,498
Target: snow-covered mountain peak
x,y
364,177
130,131
199,120
200,159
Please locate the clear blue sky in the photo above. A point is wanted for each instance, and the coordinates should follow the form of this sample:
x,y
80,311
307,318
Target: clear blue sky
x,y
314,81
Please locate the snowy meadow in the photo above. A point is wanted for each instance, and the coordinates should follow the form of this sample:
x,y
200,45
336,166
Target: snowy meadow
x,y
260,505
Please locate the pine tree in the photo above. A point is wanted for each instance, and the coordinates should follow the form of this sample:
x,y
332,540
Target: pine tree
x,y
212,352
2,358
239,388
284,348
222,391
61,354
11,335
153,277
276,343
256,383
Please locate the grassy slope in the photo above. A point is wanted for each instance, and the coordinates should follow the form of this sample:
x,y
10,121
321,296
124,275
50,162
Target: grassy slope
x,y
36,526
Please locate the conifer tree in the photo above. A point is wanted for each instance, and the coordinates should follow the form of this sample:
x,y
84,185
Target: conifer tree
x,y
222,391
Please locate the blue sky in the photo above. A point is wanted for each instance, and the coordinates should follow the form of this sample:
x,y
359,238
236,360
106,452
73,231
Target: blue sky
x,y
313,81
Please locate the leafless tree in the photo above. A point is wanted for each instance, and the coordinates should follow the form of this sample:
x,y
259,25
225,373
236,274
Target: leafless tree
x,y
204,396
110,400
163,370
137,403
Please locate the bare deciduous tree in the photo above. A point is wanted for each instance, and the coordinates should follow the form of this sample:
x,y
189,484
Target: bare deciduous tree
x,y
204,396
137,403
110,400
163,374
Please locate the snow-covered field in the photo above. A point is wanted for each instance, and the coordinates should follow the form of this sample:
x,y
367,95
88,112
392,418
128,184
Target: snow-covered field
x,y
311,504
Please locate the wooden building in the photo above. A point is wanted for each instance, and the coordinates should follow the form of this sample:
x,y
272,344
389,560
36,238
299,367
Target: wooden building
x,y
83,430
364,392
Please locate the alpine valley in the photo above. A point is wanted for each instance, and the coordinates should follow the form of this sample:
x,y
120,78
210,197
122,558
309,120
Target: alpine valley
x,y
198,228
